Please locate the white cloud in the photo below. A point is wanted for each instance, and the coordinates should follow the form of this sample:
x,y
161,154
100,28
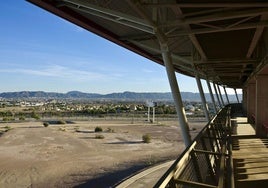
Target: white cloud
x,y
147,71
57,71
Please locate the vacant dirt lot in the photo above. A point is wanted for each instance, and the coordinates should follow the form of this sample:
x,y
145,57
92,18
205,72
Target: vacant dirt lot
x,y
69,155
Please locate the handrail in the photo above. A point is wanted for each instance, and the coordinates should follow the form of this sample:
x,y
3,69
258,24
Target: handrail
x,y
205,162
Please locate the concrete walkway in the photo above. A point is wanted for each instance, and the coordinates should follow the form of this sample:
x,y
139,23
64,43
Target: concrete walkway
x,y
146,178
250,156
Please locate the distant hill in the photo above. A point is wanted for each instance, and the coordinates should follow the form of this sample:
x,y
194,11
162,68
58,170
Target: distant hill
x,y
186,96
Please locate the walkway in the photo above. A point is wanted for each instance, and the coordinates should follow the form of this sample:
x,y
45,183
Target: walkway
x,y
147,178
250,156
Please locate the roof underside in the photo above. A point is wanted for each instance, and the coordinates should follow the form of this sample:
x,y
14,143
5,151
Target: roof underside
x,y
223,41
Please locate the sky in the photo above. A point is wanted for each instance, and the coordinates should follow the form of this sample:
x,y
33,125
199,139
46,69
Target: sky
x,y
42,52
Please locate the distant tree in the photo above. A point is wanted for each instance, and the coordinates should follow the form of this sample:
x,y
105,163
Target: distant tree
x,y
21,118
159,110
35,115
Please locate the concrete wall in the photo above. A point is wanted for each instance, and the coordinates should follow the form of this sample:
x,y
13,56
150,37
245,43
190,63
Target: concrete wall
x,y
244,102
261,101
255,97
251,100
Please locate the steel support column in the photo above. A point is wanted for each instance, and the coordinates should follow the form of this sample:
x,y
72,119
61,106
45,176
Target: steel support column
x,y
220,95
228,102
176,93
215,89
203,99
236,95
212,97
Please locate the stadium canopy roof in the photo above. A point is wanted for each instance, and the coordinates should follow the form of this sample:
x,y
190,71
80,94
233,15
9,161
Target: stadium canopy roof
x,y
222,41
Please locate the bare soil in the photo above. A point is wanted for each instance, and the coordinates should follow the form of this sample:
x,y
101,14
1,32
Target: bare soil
x,y
69,155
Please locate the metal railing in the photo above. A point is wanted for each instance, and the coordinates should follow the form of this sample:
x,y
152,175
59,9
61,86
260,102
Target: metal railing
x,y
207,161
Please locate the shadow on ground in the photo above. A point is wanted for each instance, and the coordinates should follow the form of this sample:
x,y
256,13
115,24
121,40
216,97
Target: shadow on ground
x,y
111,179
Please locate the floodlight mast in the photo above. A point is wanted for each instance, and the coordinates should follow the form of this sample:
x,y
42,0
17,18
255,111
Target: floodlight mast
x,y
149,105
148,114
153,113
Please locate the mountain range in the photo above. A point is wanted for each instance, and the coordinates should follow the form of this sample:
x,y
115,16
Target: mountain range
x,y
154,96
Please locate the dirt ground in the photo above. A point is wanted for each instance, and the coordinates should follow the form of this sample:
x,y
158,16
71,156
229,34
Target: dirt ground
x,y
69,155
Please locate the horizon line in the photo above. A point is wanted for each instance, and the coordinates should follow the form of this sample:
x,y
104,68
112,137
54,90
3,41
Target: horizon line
x,y
106,93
